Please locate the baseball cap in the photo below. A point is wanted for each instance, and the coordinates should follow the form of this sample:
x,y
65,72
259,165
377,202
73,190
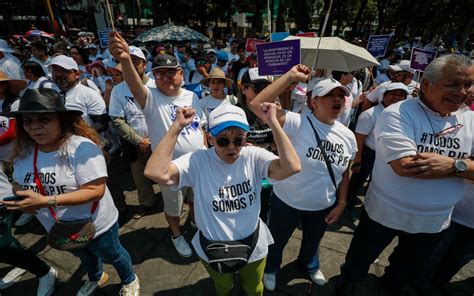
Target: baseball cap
x,y
137,52
164,61
64,62
325,86
251,77
402,66
211,50
222,56
395,86
227,115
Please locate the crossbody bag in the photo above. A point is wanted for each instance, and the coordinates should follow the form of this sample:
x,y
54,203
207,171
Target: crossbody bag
x,y
229,256
66,235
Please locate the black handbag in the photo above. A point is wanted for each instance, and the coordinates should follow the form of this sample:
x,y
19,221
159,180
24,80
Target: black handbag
x,y
229,256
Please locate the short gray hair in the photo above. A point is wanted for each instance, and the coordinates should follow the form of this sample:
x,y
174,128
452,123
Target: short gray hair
x,y
434,70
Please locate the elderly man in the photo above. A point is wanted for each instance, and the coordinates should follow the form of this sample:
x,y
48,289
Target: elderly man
x,y
159,105
66,74
130,122
424,153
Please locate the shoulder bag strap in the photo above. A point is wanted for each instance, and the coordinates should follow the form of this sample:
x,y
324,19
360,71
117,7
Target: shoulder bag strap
x,y
326,160
41,189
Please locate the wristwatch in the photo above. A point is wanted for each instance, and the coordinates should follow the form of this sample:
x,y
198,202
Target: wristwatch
x,y
52,202
460,166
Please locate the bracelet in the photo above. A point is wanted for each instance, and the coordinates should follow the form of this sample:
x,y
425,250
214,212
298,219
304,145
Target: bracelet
x,y
52,202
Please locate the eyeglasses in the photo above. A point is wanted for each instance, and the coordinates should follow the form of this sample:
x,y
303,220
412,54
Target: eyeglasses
x,y
224,142
161,74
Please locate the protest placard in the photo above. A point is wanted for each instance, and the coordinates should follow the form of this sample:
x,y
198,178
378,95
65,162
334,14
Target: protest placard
x,y
277,58
251,43
377,45
278,36
420,58
104,37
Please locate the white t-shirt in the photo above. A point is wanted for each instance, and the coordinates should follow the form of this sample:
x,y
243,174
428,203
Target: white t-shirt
x,y
464,210
197,77
312,188
45,65
232,57
160,113
122,104
412,86
7,149
345,117
227,196
409,204
210,103
42,82
85,99
77,162
366,123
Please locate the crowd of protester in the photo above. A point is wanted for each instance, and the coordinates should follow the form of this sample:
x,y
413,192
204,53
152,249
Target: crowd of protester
x,y
251,158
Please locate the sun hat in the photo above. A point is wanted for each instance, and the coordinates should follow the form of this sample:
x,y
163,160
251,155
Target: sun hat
x,y
325,86
64,62
227,115
217,73
15,84
41,100
394,86
95,63
164,61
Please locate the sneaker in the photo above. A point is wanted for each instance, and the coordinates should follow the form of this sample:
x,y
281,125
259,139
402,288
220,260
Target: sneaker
x,y
182,246
11,277
318,278
24,219
90,287
269,281
46,283
132,289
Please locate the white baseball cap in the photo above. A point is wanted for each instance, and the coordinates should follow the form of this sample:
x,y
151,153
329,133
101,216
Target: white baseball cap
x,y
227,115
403,65
325,86
137,52
395,86
64,62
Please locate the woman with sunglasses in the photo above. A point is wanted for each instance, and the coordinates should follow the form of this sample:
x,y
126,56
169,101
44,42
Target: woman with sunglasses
x,y
59,165
226,183
315,197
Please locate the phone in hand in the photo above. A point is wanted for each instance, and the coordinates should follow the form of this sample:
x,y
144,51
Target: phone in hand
x,y
13,198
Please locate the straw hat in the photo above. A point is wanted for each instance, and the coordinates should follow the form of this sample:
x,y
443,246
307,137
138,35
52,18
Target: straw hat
x,y
217,73
15,84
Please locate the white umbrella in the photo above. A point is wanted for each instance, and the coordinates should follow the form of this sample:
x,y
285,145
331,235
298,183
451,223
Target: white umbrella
x,y
334,54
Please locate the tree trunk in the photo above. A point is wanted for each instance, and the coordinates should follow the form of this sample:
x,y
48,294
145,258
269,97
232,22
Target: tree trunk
x,y
257,22
280,21
339,15
302,15
381,5
360,12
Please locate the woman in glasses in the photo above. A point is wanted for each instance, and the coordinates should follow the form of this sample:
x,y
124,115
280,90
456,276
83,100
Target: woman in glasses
x,y
316,197
226,183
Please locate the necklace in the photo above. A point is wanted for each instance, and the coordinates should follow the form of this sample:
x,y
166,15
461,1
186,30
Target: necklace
x,y
449,130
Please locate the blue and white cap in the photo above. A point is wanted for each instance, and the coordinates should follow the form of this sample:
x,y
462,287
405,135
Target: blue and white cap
x,y
227,115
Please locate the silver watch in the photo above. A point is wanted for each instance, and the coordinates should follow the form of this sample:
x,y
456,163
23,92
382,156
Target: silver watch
x,y
460,166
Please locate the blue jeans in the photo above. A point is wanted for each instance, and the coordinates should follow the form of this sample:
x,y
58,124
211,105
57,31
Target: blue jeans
x,y
409,261
283,221
106,248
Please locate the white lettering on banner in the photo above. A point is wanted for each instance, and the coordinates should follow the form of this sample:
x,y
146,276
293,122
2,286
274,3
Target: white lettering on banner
x,y
278,56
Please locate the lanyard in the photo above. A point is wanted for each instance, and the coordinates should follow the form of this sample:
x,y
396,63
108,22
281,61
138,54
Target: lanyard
x,y
41,189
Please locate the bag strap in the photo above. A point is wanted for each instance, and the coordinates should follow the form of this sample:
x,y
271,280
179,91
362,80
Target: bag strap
x,y
41,188
191,75
326,160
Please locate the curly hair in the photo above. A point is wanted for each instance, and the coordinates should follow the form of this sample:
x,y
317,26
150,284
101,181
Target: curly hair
x,y
70,125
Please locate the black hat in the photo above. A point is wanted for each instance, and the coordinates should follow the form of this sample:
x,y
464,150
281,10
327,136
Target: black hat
x,y
164,61
41,100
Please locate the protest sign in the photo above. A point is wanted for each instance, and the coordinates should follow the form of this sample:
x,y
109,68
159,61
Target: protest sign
x,y
278,36
277,58
104,37
251,43
307,34
377,45
420,58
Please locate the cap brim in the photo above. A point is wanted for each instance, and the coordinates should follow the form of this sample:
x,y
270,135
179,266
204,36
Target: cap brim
x,y
347,92
165,67
18,113
62,66
222,126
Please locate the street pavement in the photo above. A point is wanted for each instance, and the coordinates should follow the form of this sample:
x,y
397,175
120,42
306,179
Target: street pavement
x,y
163,272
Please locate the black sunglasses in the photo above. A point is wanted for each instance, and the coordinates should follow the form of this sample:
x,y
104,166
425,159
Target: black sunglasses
x,y
224,142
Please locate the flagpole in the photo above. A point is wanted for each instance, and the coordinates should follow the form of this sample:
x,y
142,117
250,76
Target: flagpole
x,y
322,34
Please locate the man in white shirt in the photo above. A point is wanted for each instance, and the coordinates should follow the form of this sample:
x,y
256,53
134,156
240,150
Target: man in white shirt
x,y
130,122
159,105
424,148
66,74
